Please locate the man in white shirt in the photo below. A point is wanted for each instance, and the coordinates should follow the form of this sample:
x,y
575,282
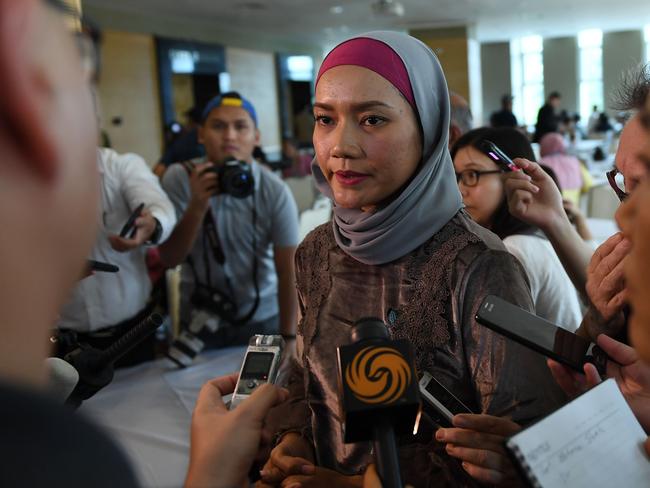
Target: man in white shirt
x,y
106,305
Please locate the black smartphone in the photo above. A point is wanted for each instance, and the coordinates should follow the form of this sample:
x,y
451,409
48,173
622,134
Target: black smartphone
x,y
492,151
439,403
129,227
540,335
105,267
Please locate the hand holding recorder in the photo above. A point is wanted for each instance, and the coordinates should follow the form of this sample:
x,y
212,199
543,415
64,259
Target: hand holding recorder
x,y
540,335
534,197
224,443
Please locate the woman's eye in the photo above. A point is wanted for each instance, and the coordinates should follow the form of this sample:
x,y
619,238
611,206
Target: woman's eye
x,y
323,119
373,120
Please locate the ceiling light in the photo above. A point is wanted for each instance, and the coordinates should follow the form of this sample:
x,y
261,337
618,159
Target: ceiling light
x,y
336,9
388,8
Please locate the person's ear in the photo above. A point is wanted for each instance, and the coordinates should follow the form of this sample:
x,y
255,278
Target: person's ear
x,y
258,137
454,134
26,89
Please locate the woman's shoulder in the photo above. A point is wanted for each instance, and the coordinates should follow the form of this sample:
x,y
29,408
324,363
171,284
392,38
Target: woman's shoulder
x,y
485,252
481,238
316,236
462,245
318,240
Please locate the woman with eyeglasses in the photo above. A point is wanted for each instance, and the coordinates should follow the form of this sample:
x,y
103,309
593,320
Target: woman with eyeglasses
x,y
481,185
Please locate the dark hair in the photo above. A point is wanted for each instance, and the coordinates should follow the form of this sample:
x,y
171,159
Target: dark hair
x,y
515,145
554,94
194,114
260,155
634,88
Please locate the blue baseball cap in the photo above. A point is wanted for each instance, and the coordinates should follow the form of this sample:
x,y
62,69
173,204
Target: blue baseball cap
x,y
230,99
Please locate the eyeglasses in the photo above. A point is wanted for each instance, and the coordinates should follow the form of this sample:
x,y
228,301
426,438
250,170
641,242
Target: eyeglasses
x,y
470,177
617,182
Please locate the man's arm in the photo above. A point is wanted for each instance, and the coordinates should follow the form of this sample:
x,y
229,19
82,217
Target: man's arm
x,y
138,185
202,187
287,297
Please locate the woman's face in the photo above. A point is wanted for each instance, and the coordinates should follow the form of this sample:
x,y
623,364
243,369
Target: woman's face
x,y
482,200
633,218
366,137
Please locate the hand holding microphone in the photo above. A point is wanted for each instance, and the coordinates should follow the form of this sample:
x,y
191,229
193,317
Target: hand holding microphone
x,y
379,393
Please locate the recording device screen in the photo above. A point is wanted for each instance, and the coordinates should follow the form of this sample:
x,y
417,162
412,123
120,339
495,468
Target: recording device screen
x,y
492,151
257,366
439,402
540,335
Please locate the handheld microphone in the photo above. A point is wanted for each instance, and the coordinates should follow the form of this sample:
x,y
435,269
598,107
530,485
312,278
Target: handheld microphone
x,y
95,367
379,393
62,378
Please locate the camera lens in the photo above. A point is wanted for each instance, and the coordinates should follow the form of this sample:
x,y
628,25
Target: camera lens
x,y
238,181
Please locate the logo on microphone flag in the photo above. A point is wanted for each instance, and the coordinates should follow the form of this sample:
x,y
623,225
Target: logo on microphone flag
x,y
378,375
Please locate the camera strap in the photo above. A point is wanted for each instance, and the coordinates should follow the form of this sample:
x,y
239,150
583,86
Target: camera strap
x,y
211,240
210,229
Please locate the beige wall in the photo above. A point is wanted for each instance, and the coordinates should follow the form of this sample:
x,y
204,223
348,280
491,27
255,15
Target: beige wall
x,y
495,74
622,51
561,65
253,74
129,89
450,45
183,93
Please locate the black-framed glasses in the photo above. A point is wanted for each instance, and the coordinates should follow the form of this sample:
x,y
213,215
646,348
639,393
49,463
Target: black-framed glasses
x,y
470,177
617,182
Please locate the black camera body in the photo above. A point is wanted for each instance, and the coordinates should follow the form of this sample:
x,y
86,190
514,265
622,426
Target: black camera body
x,y
214,302
235,178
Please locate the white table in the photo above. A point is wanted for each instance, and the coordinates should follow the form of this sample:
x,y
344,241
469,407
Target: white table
x,y
147,409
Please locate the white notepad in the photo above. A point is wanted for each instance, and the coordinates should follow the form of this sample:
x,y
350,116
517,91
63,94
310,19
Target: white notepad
x,y
593,441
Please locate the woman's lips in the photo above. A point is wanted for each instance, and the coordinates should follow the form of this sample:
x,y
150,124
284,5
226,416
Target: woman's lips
x,y
350,178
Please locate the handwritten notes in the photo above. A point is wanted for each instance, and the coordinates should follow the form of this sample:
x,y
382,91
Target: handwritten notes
x,y
594,441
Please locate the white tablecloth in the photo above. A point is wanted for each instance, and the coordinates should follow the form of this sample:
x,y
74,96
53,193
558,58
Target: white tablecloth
x,y
147,409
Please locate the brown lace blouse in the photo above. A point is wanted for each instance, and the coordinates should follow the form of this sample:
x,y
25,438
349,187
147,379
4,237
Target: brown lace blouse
x,y
430,297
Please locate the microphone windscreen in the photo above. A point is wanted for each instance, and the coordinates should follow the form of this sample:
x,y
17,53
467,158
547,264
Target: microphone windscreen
x,y
62,378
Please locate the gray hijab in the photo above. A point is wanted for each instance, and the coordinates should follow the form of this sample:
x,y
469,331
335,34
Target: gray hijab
x,y
432,197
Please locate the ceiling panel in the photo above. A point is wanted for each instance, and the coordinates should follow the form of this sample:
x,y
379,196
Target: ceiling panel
x,y
324,22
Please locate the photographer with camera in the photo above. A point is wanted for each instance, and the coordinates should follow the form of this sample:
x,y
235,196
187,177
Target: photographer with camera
x,y
237,232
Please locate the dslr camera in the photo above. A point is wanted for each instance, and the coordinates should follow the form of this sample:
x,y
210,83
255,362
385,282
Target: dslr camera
x,y
235,178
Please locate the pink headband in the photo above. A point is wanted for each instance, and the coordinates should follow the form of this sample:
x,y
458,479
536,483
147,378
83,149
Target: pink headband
x,y
375,56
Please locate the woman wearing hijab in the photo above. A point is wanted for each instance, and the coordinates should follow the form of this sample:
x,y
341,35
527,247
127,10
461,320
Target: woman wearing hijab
x,y
572,177
400,248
